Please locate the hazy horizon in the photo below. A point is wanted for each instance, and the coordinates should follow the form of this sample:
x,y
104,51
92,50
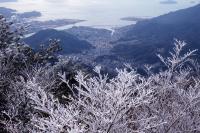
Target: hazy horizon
x,y
104,12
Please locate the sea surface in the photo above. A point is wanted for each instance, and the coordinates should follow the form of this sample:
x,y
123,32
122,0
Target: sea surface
x,y
97,13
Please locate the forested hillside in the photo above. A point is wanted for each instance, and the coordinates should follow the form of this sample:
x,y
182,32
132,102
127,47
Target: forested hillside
x,y
69,43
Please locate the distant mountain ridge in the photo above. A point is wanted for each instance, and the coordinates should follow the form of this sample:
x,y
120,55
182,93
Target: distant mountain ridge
x,y
143,40
7,12
69,43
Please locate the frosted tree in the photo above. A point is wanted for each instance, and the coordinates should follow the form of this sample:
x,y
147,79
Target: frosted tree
x,y
15,57
176,59
43,111
177,93
49,115
108,105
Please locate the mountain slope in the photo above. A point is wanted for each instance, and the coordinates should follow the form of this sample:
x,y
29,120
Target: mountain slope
x,y
143,40
7,12
69,43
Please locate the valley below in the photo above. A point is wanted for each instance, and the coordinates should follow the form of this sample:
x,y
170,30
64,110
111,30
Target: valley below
x,y
113,46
